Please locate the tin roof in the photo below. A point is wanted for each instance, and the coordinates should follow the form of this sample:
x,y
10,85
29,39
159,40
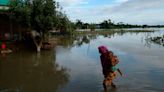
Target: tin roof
x,y
4,5
4,2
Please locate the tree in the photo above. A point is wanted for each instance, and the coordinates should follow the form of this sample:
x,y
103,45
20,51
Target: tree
x,y
20,11
41,16
107,24
85,25
92,27
42,19
79,24
62,23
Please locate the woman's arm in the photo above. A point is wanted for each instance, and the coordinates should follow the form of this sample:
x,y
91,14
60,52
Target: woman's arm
x,y
119,71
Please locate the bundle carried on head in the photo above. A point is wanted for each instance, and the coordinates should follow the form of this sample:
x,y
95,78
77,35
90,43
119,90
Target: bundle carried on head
x,y
103,49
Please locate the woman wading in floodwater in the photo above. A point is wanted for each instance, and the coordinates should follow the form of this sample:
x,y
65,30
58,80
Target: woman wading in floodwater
x,y
109,68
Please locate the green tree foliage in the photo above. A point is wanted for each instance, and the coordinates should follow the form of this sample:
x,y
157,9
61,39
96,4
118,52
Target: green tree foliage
x,y
39,15
64,24
86,25
42,15
92,27
79,24
20,11
106,24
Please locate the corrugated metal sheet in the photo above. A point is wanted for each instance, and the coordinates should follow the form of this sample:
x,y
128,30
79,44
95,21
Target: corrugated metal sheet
x,y
4,2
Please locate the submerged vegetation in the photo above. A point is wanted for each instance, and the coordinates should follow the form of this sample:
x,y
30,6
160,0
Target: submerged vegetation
x,y
158,40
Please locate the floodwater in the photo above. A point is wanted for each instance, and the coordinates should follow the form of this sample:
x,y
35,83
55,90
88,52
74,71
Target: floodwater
x,y
74,65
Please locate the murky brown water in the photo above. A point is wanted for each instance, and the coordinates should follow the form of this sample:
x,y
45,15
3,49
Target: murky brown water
x,y
74,65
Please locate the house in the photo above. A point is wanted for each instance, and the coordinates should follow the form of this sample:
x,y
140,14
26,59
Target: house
x,y
9,29
4,29
4,4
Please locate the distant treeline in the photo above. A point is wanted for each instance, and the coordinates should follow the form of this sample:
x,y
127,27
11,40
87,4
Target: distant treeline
x,y
108,24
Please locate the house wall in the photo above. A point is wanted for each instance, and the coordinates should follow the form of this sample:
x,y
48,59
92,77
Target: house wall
x,y
10,30
4,26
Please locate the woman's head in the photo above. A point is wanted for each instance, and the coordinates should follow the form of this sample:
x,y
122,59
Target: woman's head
x,y
102,50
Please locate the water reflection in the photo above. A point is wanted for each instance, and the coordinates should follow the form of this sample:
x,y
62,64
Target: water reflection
x,y
141,62
74,65
81,39
27,71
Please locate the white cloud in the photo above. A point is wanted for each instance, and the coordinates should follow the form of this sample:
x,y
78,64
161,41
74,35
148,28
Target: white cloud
x,y
120,1
70,3
128,11
139,5
138,12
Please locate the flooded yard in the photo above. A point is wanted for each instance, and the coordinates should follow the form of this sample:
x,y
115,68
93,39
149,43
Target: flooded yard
x,y
74,65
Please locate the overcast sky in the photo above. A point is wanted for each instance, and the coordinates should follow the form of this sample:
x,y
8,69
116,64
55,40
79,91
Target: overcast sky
x,y
127,11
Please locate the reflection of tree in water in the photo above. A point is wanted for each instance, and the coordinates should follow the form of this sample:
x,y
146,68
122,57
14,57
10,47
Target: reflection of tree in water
x,y
85,39
29,72
121,33
81,39
76,40
65,41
